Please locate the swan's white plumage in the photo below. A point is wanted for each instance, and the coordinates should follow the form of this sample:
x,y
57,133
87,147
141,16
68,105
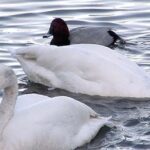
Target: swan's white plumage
x,y
52,123
84,68
43,123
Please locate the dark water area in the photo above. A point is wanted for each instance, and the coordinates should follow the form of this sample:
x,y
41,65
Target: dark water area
x,y
24,22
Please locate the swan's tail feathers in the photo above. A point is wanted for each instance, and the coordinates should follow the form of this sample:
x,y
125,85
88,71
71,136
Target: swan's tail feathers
x,y
116,37
90,130
107,121
29,52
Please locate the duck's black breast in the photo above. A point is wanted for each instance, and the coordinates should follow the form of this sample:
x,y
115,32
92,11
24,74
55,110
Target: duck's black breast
x,y
60,41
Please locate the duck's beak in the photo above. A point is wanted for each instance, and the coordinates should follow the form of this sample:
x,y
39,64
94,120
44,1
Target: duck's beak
x,y
47,35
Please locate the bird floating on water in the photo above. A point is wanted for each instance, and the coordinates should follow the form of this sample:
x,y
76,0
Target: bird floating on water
x,y
37,122
84,68
80,35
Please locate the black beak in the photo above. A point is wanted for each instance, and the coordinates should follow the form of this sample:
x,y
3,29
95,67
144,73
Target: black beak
x,y
47,35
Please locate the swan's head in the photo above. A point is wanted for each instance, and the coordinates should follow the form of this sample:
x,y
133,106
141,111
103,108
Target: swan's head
x,y
60,32
7,77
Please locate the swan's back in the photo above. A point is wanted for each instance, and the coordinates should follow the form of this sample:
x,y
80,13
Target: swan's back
x,y
85,68
59,123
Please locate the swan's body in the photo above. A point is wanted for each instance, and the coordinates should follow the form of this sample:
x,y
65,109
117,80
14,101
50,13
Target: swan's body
x,y
80,35
48,124
84,68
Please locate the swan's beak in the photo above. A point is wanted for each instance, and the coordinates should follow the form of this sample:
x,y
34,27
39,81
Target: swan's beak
x,y
47,35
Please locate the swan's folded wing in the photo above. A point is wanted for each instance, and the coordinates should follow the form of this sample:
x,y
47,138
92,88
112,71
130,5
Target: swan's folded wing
x,y
31,52
27,52
90,130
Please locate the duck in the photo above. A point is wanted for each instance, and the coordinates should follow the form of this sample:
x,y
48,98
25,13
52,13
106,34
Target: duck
x,y
47,123
84,68
81,35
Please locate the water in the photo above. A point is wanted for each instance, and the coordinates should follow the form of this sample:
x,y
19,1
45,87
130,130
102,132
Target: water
x,y
24,22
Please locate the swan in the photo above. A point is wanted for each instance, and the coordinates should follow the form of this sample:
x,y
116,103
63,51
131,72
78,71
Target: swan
x,y
48,124
84,68
92,35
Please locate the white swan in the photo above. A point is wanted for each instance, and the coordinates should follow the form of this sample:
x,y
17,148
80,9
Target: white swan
x,y
92,35
59,123
84,68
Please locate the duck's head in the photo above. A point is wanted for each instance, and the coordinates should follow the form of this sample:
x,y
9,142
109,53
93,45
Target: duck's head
x,y
60,32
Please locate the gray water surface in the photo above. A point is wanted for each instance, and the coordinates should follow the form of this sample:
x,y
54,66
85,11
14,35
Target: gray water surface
x,y
23,22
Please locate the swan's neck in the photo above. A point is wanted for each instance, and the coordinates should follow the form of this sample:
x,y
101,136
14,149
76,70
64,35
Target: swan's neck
x,y
7,106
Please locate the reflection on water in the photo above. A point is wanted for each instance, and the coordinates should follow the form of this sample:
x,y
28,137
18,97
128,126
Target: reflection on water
x,y
24,22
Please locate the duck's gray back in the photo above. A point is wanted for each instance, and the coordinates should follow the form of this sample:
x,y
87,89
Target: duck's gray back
x,y
91,35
